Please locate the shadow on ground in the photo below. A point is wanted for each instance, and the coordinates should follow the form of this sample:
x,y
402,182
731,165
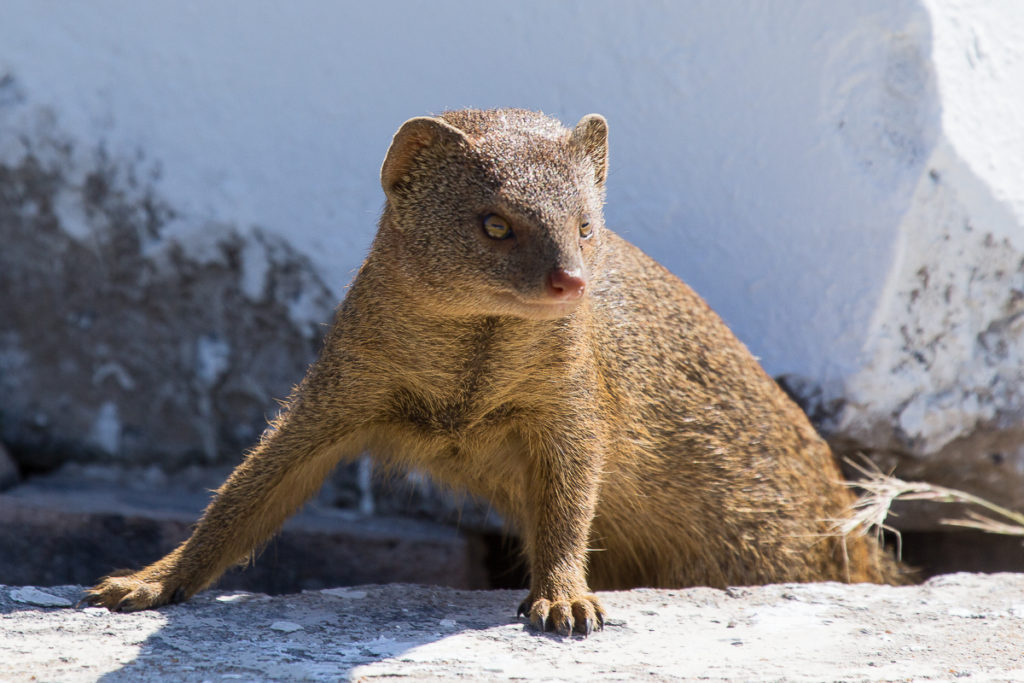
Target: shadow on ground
x,y
315,635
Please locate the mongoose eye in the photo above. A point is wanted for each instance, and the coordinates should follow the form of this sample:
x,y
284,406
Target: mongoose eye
x,y
586,229
496,227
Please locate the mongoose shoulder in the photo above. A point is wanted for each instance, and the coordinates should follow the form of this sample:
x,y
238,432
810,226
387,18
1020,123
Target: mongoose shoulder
x,y
502,338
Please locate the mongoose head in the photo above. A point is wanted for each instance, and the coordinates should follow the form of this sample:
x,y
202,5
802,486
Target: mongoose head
x,y
497,212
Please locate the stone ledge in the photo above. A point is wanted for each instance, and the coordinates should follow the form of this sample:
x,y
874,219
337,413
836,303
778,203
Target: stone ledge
x,y
58,534
959,625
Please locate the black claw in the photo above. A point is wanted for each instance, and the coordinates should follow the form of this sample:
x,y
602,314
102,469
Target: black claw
x,y
588,626
178,596
568,629
524,609
87,601
600,621
544,624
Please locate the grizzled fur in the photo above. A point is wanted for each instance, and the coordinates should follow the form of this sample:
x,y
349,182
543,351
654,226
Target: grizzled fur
x,y
591,396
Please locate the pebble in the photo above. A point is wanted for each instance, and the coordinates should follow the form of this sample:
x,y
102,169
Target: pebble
x,y
344,593
241,596
30,595
286,626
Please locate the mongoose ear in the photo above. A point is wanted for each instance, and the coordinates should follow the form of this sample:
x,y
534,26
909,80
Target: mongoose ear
x,y
591,136
414,135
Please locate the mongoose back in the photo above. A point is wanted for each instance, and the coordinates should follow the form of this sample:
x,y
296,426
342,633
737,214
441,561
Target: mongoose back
x,y
501,338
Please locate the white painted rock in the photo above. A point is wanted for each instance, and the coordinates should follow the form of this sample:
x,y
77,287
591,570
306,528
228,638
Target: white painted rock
x,y
939,384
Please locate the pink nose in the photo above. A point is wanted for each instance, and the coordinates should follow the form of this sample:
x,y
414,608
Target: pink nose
x,y
566,286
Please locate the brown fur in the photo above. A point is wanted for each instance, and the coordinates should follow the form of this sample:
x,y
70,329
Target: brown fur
x,y
626,434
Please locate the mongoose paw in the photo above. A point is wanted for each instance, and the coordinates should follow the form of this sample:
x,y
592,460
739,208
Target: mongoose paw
x,y
580,614
130,592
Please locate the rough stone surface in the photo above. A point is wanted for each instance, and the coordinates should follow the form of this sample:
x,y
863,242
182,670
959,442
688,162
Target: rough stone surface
x,y
954,627
52,533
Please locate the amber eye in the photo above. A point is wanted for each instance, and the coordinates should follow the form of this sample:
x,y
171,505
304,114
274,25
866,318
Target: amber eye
x,y
586,229
496,227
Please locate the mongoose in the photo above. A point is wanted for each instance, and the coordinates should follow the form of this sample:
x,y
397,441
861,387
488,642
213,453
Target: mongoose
x,y
501,338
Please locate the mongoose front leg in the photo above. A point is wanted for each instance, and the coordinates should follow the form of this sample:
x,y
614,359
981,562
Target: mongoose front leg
x,y
277,477
564,482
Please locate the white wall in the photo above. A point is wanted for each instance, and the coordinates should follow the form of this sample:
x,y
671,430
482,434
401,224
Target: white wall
x,y
777,155
728,162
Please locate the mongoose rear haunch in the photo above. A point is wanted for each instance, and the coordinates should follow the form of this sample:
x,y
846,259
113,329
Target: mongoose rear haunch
x,y
501,338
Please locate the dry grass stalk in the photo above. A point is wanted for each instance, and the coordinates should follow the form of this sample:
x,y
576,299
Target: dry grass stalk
x,y
881,490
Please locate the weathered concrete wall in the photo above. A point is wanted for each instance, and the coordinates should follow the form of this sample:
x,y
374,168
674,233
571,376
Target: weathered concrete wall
x,y
119,342
186,191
